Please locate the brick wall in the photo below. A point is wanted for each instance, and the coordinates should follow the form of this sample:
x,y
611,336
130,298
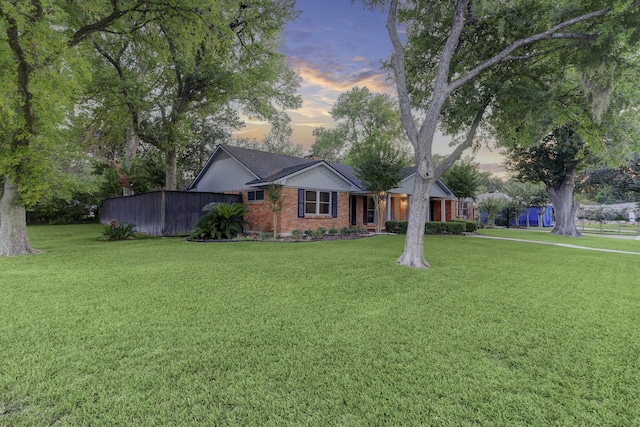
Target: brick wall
x,y
450,210
261,218
450,207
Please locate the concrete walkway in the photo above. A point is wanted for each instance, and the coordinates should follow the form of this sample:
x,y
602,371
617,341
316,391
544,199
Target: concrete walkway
x,y
563,245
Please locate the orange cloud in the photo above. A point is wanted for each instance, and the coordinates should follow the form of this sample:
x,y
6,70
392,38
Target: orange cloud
x,y
334,79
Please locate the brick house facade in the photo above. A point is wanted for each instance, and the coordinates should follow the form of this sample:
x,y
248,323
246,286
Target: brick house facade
x,y
316,193
260,216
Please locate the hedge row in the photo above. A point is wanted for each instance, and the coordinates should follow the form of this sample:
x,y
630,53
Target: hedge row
x,y
469,226
433,227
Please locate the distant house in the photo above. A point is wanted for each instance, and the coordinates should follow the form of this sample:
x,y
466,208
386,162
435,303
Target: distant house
x,y
316,193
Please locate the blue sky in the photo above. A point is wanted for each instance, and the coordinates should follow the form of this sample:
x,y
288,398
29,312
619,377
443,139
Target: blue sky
x,y
334,46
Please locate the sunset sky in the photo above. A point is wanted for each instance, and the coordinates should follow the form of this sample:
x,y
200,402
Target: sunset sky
x,y
335,45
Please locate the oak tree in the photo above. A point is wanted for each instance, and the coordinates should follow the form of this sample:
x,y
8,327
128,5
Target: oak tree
x,y
456,58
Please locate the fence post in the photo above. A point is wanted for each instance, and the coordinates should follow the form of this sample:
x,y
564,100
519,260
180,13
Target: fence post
x,y
163,213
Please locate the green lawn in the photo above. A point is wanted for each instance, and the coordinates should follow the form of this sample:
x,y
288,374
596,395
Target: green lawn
x,y
587,240
167,332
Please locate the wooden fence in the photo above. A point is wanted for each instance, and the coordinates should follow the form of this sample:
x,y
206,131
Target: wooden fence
x,y
162,213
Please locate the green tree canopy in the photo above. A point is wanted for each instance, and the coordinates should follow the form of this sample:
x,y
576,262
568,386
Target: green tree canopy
x,y
464,179
362,116
379,163
458,59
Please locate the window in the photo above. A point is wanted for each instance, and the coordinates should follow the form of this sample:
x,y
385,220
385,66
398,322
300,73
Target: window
x,y
255,196
317,202
371,210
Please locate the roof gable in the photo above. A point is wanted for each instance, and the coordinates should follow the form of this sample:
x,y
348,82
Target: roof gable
x,y
264,164
261,167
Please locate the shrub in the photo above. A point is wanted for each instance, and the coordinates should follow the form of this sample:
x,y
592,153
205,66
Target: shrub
x,y
297,234
118,231
319,232
222,221
333,231
472,226
469,226
431,227
360,229
308,232
399,227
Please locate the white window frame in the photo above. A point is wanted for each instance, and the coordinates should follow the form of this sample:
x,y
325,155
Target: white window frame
x,y
317,203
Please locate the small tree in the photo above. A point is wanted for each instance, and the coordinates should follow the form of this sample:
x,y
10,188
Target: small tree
x,y
598,215
491,207
526,195
620,215
464,179
539,199
379,163
276,201
516,190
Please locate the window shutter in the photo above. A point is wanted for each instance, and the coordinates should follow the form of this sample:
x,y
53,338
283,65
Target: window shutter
x,y
352,208
365,202
300,202
334,204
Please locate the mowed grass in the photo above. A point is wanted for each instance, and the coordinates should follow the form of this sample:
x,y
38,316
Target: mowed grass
x,y
167,332
544,235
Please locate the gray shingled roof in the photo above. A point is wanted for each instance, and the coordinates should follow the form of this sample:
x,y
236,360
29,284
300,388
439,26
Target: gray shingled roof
x,y
262,163
272,166
283,172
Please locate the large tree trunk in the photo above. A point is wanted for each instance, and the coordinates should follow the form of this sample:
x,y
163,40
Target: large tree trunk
x,y
564,207
171,165
13,223
413,255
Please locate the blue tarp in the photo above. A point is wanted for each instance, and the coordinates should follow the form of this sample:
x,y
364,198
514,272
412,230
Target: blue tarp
x,y
547,217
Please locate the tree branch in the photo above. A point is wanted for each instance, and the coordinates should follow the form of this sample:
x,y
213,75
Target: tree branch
x,y
24,79
398,64
577,36
101,24
525,57
441,82
449,49
545,35
453,157
108,57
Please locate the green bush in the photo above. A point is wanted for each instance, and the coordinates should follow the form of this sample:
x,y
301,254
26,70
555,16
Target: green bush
x,y
431,227
360,229
333,231
297,234
222,221
118,231
469,226
399,227
319,232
